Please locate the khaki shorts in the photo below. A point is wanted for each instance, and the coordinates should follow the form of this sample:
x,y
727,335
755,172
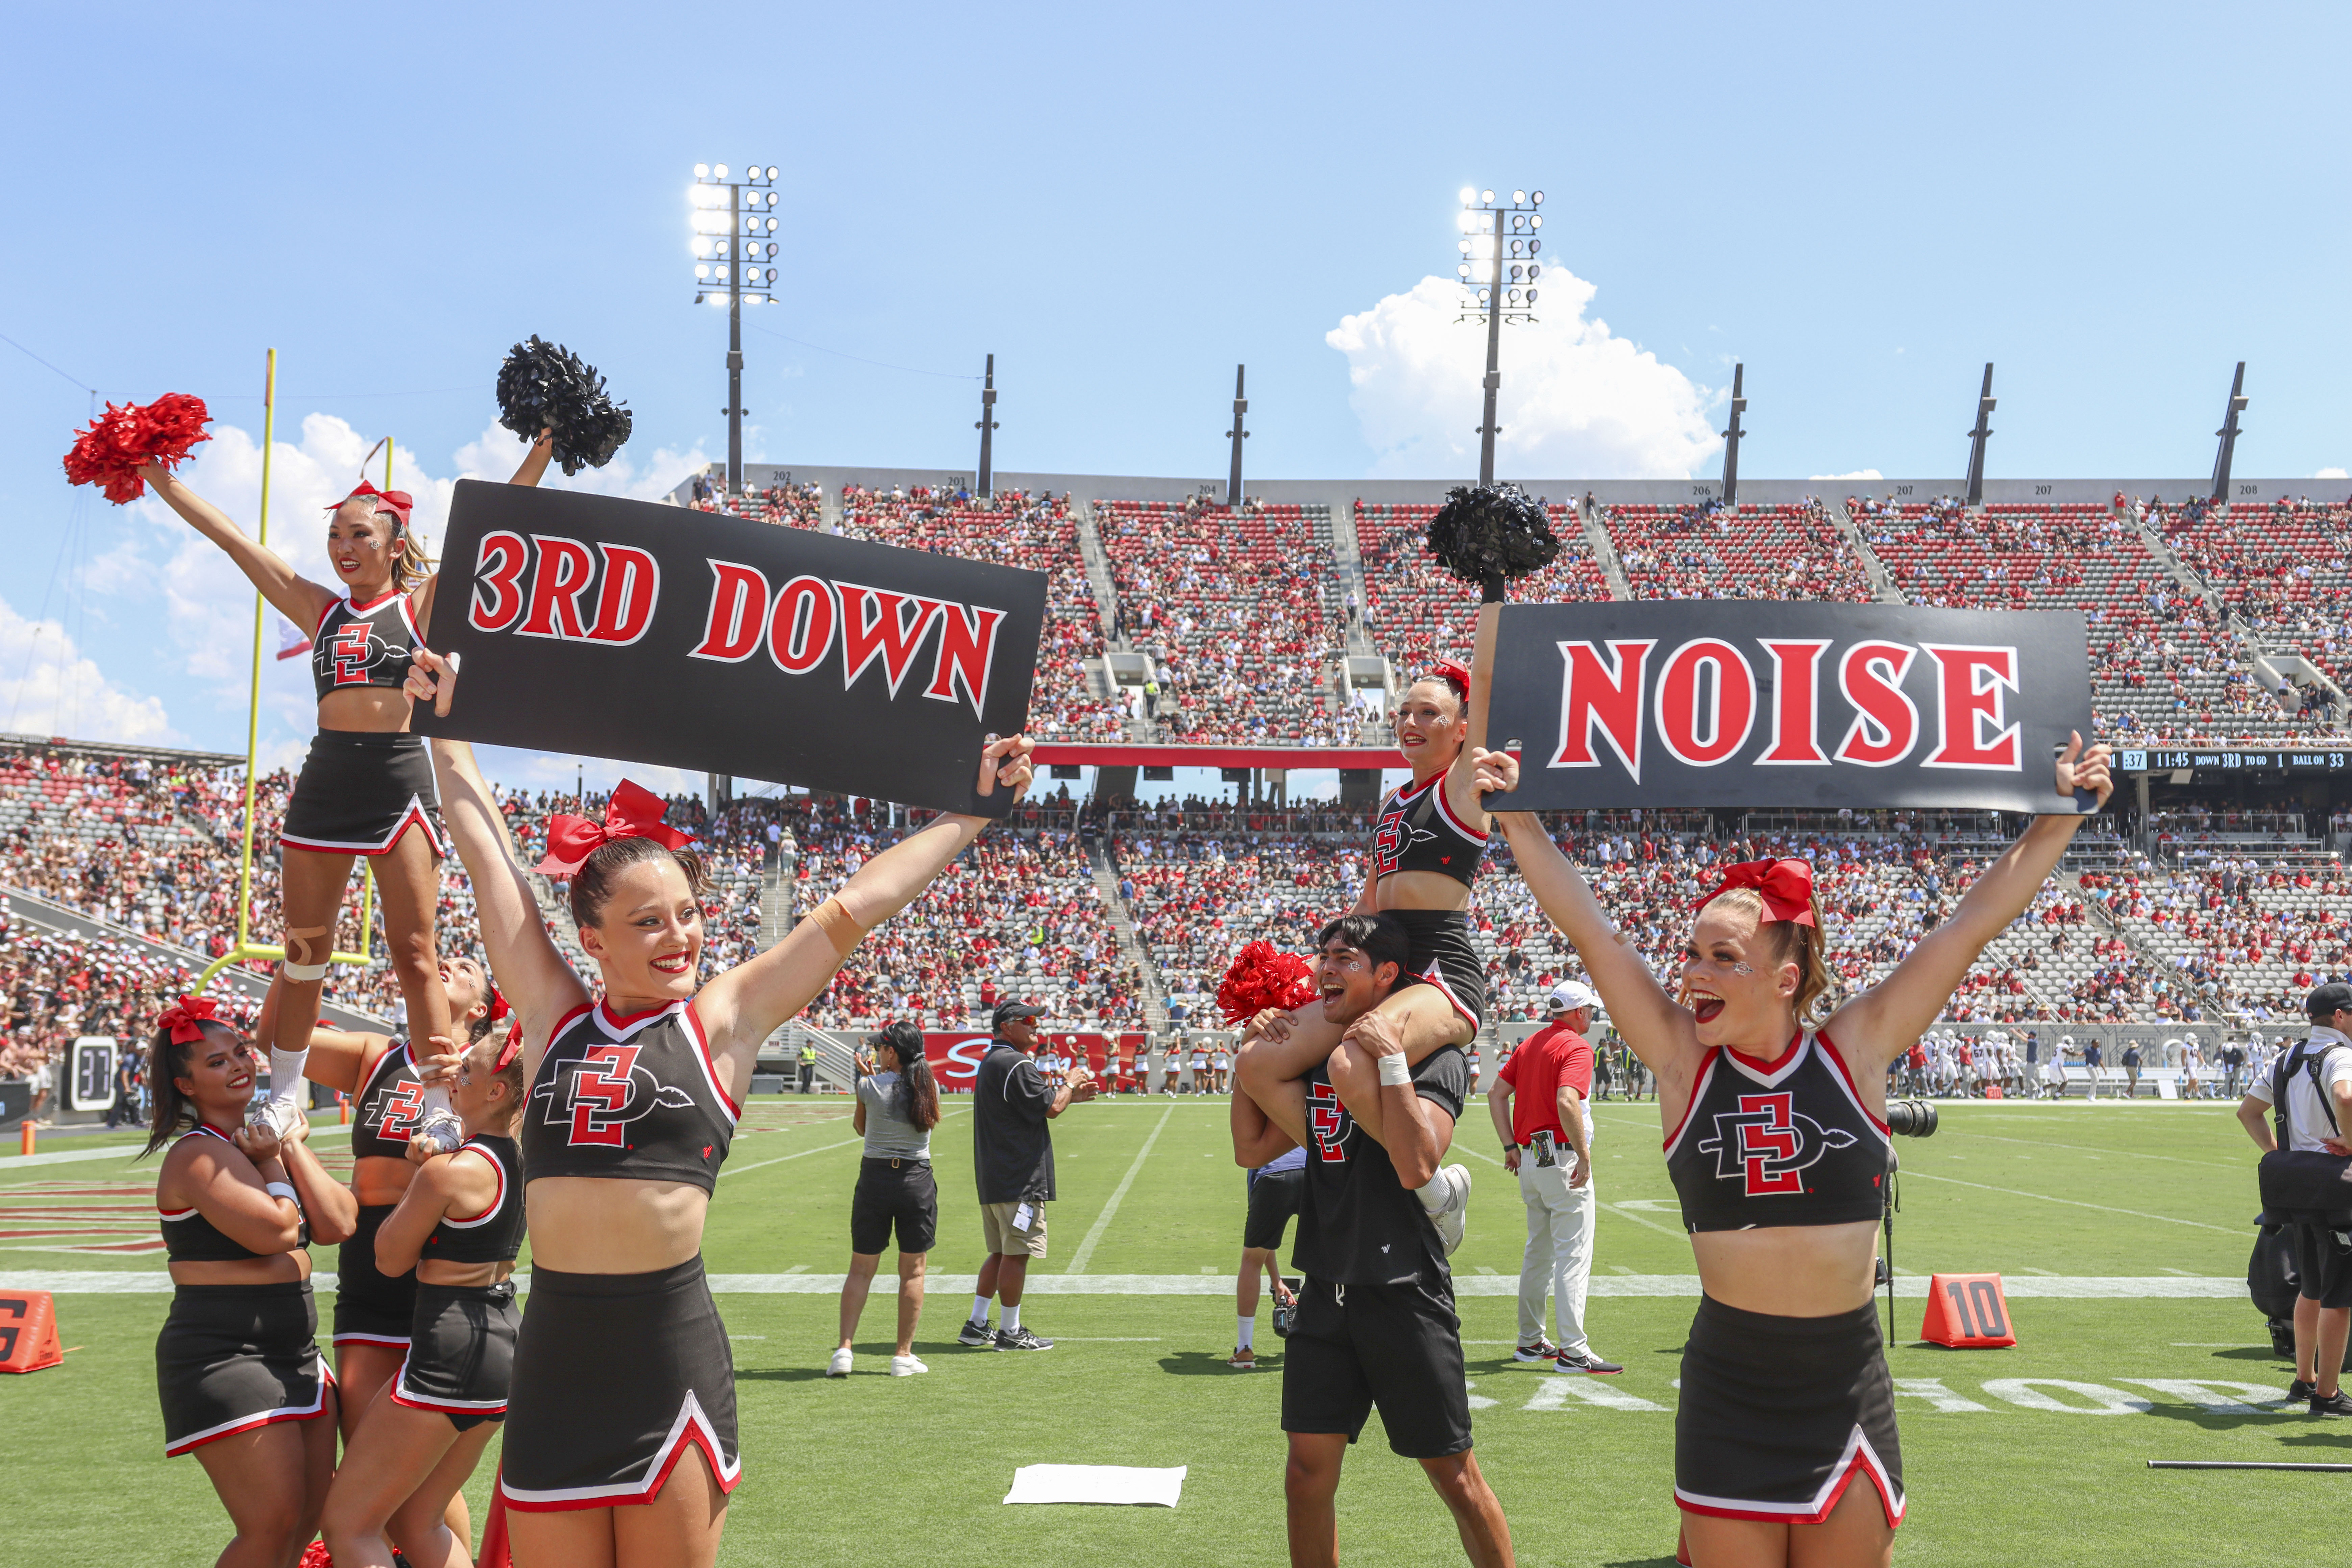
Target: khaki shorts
x,y
999,1228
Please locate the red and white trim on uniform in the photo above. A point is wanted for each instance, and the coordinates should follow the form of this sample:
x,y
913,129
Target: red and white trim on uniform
x,y
414,817
403,1395
692,1429
620,1029
710,1065
358,1339
1859,1458
1836,1058
1698,1093
311,1412
497,1202
1446,810
1433,976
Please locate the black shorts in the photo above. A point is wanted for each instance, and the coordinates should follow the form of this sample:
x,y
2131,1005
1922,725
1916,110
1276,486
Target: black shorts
x,y
461,1356
1399,1347
372,1308
1442,956
359,792
894,1192
2323,1267
1273,1204
234,1357
1779,1415
616,1376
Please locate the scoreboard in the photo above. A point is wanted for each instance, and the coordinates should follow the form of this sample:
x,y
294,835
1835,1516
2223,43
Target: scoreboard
x,y
2136,761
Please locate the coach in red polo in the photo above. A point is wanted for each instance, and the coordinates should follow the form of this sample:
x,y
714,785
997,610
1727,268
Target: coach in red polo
x,y
1538,1104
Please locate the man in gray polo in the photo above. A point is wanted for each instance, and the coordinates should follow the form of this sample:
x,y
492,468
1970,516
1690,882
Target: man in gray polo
x,y
1012,1159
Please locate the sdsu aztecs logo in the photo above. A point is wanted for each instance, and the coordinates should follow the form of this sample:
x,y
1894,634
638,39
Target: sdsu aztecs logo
x,y
598,1096
398,1114
348,655
1767,1146
1394,837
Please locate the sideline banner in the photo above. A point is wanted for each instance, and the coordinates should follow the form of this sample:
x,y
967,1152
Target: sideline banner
x,y
1725,702
955,1058
655,634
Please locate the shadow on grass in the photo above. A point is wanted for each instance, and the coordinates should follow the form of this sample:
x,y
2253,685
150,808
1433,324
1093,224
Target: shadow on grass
x,y
779,1374
1667,1561
1208,1363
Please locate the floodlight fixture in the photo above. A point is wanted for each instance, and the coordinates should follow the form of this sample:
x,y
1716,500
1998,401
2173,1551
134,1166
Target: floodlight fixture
x,y
730,221
702,171
1494,232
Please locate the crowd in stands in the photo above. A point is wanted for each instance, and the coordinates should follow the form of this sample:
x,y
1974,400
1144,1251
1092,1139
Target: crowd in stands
x,y
1237,610
1709,551
1416,611
2284,570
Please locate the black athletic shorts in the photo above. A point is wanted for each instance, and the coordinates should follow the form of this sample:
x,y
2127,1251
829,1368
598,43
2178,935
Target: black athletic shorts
x,y
460,1357
897,1192
372,1308
1442,956
2322,1266
1779,1415
234,1357
1273,1204
359,792
1398,1347
616,1377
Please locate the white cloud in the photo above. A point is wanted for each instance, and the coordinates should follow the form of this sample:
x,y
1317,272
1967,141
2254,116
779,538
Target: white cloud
x,y
1857,474
498,452
54,691
1576,398
2332,474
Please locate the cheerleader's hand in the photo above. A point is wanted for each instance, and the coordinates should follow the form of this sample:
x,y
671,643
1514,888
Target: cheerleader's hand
x,y
2082,770
1272,1024
1494,773
1006,762
260,1140
439,1070
432,678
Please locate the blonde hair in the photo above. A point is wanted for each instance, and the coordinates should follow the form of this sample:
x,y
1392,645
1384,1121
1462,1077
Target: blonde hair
x,y
1807,945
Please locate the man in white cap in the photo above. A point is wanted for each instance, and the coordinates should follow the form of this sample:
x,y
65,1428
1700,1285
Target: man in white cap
x,y
1539,1106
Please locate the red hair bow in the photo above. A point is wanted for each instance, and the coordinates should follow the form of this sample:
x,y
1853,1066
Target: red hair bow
x,y
1785,886
1456,671
186,1017
499,1008
636,813
397,502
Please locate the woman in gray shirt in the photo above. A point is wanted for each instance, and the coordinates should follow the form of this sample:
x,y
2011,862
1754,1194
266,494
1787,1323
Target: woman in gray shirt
x,y
897,1106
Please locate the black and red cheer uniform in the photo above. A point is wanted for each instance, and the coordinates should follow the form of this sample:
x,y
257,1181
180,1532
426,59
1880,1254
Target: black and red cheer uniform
x,y
1417,831
360,790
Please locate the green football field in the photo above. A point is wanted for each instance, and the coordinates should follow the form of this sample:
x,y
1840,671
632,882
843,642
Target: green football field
x,y
2122,1232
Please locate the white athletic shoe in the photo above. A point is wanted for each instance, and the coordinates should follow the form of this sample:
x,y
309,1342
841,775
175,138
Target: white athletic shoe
x,y
905,1366
839,1365
1452,1219
278,1113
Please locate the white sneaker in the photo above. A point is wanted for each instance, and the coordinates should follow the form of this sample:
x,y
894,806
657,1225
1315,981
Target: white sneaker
x,y
278,1113
905,1366
1454,1217
839,1365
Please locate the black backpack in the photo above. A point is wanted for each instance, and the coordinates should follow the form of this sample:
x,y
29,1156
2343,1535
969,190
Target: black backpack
x,y
2305,1184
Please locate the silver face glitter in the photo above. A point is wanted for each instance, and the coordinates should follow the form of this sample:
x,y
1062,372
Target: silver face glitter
x,y
1742,969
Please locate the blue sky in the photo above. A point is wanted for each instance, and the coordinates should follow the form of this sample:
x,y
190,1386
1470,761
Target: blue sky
x,y
1863,203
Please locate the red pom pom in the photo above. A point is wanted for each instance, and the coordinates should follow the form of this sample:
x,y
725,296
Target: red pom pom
x,y
1263,977
315,1555
107,454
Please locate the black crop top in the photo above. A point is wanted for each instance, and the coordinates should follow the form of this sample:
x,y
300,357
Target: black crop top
x,y
1417,831
1785,1142
362,645
190,1237
495,1235
389,1107
630,1098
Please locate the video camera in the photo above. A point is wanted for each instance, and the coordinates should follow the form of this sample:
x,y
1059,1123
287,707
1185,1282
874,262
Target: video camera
x,y
1911,1117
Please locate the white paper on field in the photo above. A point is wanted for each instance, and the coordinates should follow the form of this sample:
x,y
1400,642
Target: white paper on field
x,y
1097,1483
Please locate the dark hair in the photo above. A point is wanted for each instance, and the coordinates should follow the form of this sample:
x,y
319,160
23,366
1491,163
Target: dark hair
x,y
918,1092
1380,938
166,1059
592,885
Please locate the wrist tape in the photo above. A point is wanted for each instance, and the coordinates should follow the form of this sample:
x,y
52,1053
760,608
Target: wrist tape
x,y
1394,1071
284,1190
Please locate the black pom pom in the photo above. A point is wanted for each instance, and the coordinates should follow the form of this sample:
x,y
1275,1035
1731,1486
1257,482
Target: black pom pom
x,y
1491,534
545,386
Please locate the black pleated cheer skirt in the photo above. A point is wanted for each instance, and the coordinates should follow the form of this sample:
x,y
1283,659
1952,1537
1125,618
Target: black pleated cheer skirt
x,y
359,791
234,1357
460,1357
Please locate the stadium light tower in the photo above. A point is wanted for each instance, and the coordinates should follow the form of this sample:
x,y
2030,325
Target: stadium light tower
x,y
1237,435
986,426
1977,436
734,245
1495,237
2229,433
1731,435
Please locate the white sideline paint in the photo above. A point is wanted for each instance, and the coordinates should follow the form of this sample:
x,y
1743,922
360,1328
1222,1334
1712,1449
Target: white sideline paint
x,y
1115,1484
125,1151
1553,1394
1907,1286
2027,1392
1084,1254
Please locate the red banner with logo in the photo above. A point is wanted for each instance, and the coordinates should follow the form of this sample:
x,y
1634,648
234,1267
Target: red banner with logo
x,y
955,1058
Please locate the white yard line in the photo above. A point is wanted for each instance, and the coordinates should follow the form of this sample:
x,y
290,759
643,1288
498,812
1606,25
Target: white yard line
x,y
125,1151
2074,1203
1086,1251
803,1153
1621,1212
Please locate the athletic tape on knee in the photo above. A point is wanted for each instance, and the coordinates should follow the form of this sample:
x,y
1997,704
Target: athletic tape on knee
x,y
839,927
297,947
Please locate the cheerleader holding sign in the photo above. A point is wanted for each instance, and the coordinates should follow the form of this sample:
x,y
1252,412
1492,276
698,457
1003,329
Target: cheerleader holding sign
x,y
621,1437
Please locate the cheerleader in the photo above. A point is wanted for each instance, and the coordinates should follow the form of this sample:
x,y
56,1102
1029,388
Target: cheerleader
x,y
621,1446
1785,1396
367,781
238,1370
1427,843
455,1232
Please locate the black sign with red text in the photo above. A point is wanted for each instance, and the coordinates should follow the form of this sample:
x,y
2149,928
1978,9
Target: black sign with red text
x,y
1751,704
652,634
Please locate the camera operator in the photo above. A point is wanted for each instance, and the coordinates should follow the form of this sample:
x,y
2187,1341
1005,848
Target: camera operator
x,y
2309,1092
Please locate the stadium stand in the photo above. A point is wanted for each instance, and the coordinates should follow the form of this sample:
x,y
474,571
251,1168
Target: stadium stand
x,y
1786,550
2282,569
1415,611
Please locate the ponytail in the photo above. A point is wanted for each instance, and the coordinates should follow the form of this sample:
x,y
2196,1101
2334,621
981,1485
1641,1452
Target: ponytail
x,y
918,1092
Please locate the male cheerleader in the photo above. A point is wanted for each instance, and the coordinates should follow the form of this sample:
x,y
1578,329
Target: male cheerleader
x,y
1375,1325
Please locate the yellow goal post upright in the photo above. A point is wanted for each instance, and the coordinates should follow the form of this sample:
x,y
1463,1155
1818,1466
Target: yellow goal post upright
x,y
245,947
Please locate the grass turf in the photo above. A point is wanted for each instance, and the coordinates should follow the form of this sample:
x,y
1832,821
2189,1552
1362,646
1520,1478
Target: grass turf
x,y
836,1469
